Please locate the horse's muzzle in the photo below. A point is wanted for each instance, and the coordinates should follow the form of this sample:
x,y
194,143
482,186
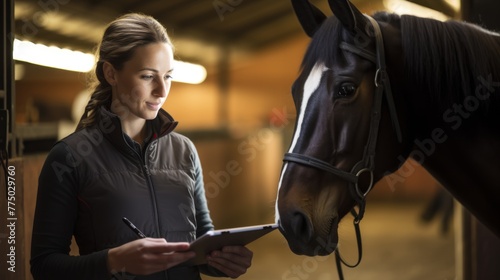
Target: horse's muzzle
x,y
306,238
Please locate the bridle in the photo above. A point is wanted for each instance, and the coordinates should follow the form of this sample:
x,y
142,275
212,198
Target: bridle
x,y
367,163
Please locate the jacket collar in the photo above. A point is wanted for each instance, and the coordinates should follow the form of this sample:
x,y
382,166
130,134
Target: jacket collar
x,y
110,126
163,124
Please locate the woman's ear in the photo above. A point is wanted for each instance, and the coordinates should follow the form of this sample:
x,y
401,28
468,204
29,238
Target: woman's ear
x,y
109,73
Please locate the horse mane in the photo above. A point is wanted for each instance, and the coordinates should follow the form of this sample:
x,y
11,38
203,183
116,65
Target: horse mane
x,y
449,60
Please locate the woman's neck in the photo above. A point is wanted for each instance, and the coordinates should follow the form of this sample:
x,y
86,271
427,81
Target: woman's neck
x,y
137,130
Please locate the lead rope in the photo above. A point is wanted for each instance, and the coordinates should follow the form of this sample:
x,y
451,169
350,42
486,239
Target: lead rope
x,y
338,258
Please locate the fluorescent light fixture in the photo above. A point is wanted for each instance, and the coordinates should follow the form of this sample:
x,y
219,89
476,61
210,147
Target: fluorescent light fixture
x,y
405,7
53,56
70,60
190,73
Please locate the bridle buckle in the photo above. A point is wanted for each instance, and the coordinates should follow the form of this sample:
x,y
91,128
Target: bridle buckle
x,y
361,194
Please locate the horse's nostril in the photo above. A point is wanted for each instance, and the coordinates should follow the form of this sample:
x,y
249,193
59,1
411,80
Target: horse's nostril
x,y
302,226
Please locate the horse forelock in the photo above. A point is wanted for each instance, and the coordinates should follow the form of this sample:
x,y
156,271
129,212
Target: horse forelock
x,y
322,47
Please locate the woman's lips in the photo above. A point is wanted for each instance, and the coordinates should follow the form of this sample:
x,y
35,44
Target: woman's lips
x,y
153,105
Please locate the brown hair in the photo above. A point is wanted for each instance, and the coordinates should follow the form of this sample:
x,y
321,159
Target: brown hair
x,y
121,38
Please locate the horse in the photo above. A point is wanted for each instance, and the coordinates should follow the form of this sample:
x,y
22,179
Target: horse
x,y
373,91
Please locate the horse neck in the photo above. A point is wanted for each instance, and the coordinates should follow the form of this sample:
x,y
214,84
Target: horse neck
x,y
457,142
467,165
461,151
461,145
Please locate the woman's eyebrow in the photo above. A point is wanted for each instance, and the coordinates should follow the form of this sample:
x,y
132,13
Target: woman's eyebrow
x,y
148,69
155,70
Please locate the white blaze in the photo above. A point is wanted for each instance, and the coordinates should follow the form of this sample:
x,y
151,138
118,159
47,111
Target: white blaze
x,y
310,86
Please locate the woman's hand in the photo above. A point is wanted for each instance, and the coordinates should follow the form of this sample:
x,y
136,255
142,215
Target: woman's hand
x,y
147,255
231,260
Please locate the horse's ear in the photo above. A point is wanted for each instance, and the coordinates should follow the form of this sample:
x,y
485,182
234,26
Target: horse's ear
x,y
350,17
309,16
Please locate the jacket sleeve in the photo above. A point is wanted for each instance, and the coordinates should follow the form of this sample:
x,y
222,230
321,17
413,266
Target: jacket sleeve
x,y
54,221
203,221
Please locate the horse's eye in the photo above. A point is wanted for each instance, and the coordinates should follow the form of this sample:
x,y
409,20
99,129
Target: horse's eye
x,y
346,90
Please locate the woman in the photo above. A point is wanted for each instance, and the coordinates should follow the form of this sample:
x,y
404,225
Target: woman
x,y
125,161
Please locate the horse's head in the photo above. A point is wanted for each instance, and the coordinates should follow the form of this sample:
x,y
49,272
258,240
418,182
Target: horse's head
x,y
329,168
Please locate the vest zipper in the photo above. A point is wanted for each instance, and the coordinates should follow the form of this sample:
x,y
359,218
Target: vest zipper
x,y
151,187
146,169
153,198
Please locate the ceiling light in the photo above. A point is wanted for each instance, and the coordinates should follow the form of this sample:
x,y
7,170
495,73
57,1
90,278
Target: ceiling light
x,y
52,56
190,73
66,59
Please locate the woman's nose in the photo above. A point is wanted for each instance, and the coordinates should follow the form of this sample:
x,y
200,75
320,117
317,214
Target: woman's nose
x,y
162,88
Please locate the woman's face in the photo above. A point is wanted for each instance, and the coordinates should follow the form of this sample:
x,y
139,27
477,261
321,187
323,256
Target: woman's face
x,y
141,87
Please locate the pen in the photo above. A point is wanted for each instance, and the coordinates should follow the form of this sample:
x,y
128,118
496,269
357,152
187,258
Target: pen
x,y
133,227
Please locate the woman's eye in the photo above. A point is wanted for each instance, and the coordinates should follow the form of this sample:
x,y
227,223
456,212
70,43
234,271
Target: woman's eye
x,y
346,90
147,77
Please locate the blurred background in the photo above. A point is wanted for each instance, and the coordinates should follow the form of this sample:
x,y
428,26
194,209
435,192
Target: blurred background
x,y
238,112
